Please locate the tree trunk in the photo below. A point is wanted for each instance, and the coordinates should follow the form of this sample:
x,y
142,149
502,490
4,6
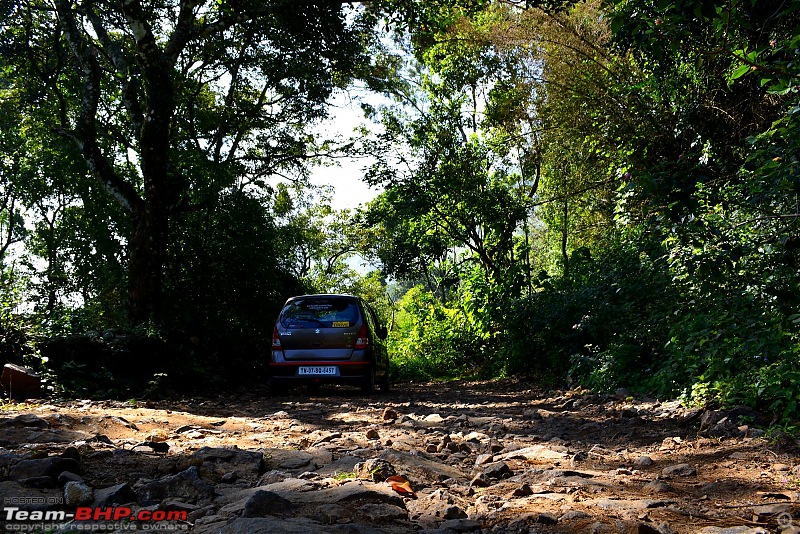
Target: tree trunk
x,y
151,107
564,234
147,250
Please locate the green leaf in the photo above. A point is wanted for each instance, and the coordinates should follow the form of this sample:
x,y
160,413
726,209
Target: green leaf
x,y
739,72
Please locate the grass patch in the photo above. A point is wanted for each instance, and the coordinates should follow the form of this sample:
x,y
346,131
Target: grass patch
x,y
344,475
11,406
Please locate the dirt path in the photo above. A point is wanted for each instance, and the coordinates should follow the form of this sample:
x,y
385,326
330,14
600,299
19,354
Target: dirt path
x,y
480,457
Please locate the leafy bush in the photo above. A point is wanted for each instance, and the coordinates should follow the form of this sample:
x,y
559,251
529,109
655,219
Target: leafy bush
x,y
226,281
17,332
602,326
141,363
775,386
720,342
433,340
120,363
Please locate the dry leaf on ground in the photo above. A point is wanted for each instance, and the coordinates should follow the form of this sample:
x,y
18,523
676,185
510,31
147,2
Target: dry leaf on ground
x,y
401,485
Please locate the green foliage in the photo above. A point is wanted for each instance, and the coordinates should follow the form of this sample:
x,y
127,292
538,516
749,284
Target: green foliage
x,y
775,386
11,406
342,476
719,345
231,316
158,111
423,19
434,340
658,177
17,335
141,164
603,325
126,363
758,39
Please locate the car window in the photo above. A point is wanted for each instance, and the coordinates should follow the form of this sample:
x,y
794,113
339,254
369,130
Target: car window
x,y
373,318
328,312
367,317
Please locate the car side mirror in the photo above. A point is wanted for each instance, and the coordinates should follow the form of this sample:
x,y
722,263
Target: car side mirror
x,y
383,333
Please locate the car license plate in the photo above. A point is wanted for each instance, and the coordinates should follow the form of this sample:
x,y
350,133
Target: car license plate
x,y
317,370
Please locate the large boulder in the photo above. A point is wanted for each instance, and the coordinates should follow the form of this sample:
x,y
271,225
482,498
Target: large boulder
x,y
186,484
49,467
20,382
217,462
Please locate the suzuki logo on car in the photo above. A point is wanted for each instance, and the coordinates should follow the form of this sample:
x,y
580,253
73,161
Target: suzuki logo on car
x,y
316,331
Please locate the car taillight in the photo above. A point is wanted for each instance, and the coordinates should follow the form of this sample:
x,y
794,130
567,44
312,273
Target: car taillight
x,y
363,339
276,339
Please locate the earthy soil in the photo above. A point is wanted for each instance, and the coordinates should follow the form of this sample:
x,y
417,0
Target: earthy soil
x,y
496,456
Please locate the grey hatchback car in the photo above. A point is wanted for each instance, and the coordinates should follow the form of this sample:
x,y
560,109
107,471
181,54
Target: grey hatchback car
x,y
328,339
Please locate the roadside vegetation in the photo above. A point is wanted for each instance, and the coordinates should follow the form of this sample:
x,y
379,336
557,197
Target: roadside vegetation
x,y
599,193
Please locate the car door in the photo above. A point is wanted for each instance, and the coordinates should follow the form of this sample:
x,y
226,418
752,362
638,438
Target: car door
x,y
379,343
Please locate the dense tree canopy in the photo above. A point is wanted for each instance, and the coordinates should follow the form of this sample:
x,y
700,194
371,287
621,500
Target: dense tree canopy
x,y
169,104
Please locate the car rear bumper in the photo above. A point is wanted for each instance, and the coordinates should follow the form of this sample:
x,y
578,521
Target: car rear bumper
x,y
345,371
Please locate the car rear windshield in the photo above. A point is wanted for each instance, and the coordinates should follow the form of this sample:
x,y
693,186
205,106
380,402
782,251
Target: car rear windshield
x,y
327,312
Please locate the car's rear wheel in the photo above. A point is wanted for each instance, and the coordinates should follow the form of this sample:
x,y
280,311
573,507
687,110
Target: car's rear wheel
x,y
368,385
383,383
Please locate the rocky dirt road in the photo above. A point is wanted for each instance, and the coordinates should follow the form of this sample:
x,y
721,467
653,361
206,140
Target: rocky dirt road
x,y
477,456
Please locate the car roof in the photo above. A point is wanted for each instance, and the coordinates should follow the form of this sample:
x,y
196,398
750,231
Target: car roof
x,y
323,295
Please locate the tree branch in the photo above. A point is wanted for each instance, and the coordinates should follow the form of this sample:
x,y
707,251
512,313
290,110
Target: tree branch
x,y
85,133
184,31
767,218
130,86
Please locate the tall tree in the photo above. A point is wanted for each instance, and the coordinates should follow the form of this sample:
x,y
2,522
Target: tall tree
x,y
461,178
171,101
